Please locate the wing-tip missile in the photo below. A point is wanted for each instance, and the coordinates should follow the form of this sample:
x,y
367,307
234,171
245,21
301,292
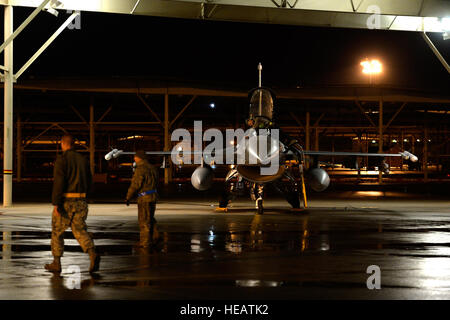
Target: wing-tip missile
x,y
114,153
409,156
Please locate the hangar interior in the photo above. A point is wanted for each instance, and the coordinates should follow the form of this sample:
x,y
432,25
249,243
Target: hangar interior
x,y
323,252
135,113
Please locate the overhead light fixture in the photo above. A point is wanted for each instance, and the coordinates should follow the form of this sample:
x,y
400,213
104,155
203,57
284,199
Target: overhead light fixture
x,y
371,67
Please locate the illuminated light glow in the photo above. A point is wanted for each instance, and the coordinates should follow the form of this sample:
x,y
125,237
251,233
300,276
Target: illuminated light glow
x,y
257,283
371,67
445,23
374,141
131,138
394,141
407,23
405,140
418,140
212,105
370,193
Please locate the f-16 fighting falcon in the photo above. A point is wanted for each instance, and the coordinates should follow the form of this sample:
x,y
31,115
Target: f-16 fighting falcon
x,y
280,160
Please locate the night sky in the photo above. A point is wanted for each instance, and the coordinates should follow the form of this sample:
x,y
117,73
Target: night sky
x,y
226,53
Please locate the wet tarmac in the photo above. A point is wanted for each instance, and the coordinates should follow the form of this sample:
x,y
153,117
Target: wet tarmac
x,y
321,253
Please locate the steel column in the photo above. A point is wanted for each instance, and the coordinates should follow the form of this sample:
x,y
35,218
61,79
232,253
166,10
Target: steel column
x,y
307,129
307,137
166,138
425,154
380,137
316,140
19,149
91,137
8,110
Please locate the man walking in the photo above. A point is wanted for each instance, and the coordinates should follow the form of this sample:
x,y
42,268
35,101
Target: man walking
x,y
72,180
143,183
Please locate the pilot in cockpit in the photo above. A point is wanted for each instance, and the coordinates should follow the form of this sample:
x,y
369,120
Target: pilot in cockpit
x,y
261,109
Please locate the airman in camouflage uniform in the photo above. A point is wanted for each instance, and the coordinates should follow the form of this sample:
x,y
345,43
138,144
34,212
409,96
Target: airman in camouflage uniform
x,y
72,181
143,184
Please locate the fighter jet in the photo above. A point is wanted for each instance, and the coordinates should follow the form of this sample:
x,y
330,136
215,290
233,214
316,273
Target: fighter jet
x,y
290,171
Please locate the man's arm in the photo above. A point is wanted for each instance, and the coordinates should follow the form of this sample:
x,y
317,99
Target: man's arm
x,y
58,182
136,183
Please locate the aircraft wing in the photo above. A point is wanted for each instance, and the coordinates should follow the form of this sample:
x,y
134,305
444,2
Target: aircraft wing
x,y
115,153
405,154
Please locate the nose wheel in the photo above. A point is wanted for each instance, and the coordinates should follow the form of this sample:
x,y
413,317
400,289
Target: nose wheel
x,y
259,206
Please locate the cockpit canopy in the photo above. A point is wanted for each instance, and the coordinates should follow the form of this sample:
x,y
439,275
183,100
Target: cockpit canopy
x,y
261,104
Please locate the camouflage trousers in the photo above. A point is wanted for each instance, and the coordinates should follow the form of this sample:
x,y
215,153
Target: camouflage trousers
x,y
73,215
147,222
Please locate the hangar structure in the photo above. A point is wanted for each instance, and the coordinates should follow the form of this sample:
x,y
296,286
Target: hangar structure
x,y
408,15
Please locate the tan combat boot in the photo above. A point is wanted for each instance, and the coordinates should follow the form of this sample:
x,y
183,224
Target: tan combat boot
x,y
95,260
55,266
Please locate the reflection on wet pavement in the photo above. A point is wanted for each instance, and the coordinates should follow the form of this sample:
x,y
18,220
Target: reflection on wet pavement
x,y
323,253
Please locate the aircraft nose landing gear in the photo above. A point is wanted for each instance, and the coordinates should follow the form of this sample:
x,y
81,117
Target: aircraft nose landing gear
x,y
259,206
259,199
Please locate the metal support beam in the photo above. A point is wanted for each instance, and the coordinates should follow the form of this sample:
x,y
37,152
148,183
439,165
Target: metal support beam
x,y
318,119
436,52
182,110
307,131
149,109
79,115
364,113
38,136
19,149
46,44
36,11
316,138
91,137
307,137
402,137
166,138
103,115
8,109
425,148
380,138
296,119
61,128
395,115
